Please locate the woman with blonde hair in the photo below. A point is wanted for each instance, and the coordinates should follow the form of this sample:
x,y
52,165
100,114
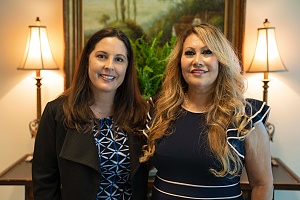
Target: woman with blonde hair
x,y
203,130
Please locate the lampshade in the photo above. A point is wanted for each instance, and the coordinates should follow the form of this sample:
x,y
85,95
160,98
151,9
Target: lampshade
x,y
266,57
38,55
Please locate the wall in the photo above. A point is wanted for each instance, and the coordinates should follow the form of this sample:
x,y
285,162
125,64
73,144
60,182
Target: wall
x,y
17,87
284,87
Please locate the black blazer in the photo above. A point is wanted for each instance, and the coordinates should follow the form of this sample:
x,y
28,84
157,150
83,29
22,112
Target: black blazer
x,y
66,164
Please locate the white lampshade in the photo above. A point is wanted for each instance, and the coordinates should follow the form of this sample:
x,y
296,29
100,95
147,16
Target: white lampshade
x,y
266,57
38,55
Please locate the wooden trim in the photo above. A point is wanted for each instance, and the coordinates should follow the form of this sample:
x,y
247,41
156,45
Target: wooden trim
x,y
73,35
234,25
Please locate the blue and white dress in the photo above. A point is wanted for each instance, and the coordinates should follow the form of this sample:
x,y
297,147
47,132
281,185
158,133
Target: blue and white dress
x,y
184,158
113,151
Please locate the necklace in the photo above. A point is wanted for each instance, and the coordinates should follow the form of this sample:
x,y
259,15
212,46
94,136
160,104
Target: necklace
x,y
187,105
101,113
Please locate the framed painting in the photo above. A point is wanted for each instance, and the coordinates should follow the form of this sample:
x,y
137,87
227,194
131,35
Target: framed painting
x,y
146,18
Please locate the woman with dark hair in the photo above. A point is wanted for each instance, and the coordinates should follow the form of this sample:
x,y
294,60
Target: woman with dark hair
x,y
89,139
204,131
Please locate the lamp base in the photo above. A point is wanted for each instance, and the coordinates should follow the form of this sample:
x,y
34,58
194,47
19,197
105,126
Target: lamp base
x,y
271,130
33,127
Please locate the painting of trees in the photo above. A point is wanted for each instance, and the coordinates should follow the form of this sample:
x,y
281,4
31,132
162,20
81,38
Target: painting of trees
x,y
139,18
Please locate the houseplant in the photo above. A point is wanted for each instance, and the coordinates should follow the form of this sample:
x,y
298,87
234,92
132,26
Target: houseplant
x,y
151,59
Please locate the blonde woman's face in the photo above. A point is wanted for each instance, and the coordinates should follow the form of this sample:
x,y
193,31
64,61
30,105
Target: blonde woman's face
x,y
107,65
198,64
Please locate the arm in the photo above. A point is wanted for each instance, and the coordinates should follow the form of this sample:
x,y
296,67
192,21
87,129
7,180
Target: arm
x,y
258,163
45,174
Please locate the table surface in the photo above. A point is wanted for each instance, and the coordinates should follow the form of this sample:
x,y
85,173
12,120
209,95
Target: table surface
x,y
284,178
19,173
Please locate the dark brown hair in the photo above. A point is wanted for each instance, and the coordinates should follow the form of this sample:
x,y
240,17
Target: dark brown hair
x,y
130,109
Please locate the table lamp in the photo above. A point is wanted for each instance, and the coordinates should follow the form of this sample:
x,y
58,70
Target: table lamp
x,y
37,56
266,59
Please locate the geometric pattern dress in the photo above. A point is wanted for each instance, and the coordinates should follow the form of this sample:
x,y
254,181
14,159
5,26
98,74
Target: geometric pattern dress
x,y
113,151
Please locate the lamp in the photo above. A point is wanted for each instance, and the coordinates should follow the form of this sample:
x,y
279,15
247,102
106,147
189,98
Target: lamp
x,y
266,59
37,57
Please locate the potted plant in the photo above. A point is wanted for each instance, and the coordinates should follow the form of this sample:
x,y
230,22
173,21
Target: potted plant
x,y
151,60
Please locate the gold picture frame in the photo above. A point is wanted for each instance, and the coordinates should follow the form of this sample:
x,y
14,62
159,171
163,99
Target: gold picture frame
x,y
234,26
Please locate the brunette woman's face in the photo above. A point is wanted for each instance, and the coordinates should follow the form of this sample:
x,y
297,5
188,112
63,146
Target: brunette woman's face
x,y
107,65
199,65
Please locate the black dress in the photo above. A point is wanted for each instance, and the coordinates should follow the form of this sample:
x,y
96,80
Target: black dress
x,y
183,160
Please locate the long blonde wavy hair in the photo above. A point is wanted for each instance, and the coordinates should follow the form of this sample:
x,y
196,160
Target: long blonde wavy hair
x,y
228,103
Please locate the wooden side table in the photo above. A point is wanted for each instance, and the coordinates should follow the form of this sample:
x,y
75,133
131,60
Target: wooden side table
x,y
284,179
19,173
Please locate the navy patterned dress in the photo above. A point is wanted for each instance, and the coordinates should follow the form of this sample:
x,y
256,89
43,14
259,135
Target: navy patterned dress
x,y
114,158
183,159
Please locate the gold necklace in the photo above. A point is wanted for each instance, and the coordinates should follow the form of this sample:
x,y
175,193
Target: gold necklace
x,y
101,113
193,109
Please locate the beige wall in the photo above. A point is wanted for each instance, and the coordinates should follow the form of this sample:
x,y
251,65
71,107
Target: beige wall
x,y
17,88
284,90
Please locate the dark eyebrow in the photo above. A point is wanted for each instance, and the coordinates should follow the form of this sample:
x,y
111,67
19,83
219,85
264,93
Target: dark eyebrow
x,y
121,55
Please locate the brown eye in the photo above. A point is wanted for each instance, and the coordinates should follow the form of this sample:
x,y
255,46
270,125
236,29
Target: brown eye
x,y
189,53
207,51
119,59
101,56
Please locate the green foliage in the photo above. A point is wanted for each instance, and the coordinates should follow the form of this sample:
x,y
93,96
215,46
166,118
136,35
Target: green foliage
x,y
151,60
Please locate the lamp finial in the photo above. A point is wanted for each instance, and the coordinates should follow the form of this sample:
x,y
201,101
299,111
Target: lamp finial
x,y
37,21
266,23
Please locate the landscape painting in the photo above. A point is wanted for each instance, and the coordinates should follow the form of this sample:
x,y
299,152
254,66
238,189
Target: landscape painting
x,y
147,17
